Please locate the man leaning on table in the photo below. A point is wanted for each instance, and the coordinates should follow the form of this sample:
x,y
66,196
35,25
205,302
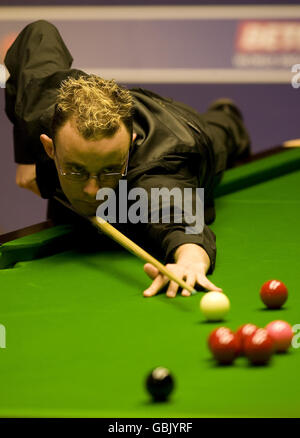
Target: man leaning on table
x,y
76,133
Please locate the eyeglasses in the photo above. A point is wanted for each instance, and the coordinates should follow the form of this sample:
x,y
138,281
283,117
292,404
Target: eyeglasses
x,y
104,179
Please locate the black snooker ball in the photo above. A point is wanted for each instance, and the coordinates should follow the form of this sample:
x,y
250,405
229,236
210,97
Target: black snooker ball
x,y
160,384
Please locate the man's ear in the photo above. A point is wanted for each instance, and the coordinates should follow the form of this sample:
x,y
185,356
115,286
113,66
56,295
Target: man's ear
x,y
48,145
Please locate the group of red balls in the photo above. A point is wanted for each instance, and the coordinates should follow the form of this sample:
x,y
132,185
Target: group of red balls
x,y
257,344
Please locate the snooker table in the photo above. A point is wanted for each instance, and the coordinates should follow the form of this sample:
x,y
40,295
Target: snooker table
x,y
81,339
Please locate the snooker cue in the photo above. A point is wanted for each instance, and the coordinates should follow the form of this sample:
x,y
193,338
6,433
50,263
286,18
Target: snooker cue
x,y
128,244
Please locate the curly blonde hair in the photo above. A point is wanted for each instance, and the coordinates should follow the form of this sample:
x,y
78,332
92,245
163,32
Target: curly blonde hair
x,y
97,105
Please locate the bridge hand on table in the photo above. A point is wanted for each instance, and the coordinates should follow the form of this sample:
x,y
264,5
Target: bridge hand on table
x,y
192,274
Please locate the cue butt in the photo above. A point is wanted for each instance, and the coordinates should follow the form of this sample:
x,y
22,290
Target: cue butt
x,y
292,143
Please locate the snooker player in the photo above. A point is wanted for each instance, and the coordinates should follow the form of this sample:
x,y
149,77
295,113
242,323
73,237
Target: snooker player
x,y
75,133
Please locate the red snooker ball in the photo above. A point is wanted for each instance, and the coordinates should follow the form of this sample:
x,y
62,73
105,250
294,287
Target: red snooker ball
x,y
273,294
224,347
259,347
215,334
281,333
244,332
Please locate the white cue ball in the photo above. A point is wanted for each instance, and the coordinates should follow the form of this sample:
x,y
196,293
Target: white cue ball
x,y
214,306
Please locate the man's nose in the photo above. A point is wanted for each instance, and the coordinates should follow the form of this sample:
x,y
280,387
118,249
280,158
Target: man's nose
x,y
91,187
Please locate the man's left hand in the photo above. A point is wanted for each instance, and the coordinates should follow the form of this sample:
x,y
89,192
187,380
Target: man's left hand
x,y
191,264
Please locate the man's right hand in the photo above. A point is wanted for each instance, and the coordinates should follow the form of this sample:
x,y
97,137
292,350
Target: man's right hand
x,y
26,178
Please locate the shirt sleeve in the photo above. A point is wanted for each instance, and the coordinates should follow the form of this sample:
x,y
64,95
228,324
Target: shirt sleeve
x,y
167,237
37,61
